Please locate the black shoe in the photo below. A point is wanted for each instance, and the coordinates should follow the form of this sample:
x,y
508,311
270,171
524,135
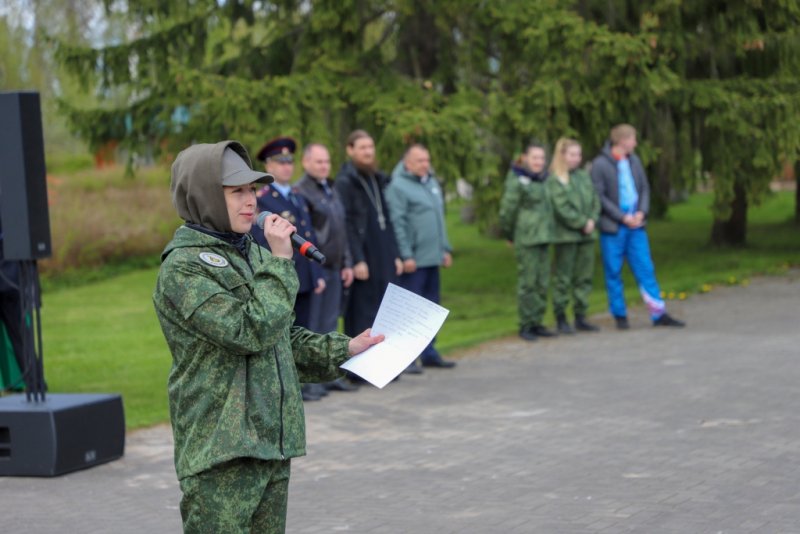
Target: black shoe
x,y
319,390
622,322
308,394
340,384
355,379
541,331
438,362
563,326
527,334
667,320
413,369
582,325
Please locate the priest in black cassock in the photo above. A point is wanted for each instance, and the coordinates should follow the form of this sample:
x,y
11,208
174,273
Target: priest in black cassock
x,y
376,261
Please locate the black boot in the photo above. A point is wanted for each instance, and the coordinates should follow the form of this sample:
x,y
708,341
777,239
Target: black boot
x,y
582,325
562,325
526,333
541,331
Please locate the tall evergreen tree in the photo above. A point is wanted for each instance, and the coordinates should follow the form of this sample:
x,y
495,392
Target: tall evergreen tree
x,y
712,86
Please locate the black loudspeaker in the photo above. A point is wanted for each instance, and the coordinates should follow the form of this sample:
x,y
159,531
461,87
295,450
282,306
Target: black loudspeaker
x,y
23,185
64,433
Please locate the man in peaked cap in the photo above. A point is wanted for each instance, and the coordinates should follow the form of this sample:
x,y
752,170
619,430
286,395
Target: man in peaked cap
x,y
282,197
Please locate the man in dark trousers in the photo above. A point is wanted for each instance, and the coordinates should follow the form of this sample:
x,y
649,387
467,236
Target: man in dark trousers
x,y
328,219
416,203
376,261
621,184
283,199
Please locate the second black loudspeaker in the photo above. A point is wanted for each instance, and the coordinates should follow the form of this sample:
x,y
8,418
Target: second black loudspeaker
x,y
23,184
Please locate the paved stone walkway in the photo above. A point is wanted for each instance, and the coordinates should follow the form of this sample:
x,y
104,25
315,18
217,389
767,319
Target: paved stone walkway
x,y
650,430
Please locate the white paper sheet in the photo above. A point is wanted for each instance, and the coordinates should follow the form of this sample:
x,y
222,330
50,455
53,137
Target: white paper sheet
x,y
409,323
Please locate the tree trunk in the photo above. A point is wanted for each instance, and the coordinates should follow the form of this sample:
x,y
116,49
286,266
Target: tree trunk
x,y
732,231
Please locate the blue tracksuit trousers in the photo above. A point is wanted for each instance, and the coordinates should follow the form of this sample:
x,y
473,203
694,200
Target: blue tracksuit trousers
x,y
633,245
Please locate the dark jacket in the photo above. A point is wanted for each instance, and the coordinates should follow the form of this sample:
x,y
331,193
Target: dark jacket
x,y
328,220
269,199
606,183
370,242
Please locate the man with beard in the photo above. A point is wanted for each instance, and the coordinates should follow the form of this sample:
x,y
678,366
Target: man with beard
x,y
376,261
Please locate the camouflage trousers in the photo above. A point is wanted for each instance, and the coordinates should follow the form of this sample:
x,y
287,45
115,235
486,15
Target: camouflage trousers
x,y
574,272
242,496
533,276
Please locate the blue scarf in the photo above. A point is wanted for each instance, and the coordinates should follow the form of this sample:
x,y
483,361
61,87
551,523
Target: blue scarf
x,y
525,171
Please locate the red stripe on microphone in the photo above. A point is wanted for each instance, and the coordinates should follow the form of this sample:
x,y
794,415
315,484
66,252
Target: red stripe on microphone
x,y
305,246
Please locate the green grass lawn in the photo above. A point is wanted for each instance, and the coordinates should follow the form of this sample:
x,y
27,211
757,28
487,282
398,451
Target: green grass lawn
x,y
104,336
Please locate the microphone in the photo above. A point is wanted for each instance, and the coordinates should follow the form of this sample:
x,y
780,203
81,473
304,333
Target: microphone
x,y
306,248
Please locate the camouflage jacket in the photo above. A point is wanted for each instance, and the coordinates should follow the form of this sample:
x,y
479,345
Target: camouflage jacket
x,y
574,203
526,215
236,358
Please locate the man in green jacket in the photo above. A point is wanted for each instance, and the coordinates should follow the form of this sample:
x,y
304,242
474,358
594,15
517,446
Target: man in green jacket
x,y
576,207
526,219
226,309
416,208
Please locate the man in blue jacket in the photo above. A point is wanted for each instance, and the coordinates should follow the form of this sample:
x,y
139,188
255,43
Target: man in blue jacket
x,y
281,198
621,183
416,207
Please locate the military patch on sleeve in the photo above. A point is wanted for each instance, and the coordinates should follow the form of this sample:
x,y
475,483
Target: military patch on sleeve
x,y
214,260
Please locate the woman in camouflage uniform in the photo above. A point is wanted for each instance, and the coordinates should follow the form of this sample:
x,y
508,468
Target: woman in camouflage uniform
x,y
576,207
225,307
526,219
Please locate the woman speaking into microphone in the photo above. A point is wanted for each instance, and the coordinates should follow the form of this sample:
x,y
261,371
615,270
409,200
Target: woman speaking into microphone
x,y
225,307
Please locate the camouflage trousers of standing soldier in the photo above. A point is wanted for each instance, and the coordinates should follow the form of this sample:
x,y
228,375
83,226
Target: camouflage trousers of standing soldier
x,y
242,496
574,272
533,276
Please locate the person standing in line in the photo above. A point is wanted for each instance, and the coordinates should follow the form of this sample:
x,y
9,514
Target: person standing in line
x,y
328,220
576,207
376,261
526,219
280,197
621,184
416,206
226,310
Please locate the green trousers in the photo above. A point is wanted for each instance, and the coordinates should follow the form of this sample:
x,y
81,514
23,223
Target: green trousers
x,y
574,272
533,276
242,496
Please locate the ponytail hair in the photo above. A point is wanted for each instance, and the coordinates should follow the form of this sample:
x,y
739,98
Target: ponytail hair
x,y
558,166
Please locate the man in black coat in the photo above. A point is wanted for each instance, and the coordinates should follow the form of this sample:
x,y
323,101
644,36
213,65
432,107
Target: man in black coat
x,y
376,261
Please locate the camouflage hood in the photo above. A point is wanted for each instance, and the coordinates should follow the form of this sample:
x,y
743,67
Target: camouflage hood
x,y
196,184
